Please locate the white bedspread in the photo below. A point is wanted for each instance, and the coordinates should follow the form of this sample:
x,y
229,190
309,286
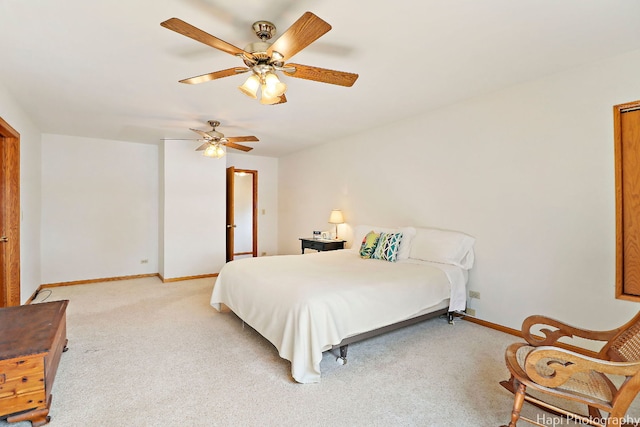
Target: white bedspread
x,y
304,304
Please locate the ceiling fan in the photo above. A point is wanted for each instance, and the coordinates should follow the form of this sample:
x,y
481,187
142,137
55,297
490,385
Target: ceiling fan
x,y
265,57
214,141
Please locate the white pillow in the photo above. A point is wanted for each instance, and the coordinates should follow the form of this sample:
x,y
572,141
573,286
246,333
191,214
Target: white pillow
x,y
408,233
443,246
361,231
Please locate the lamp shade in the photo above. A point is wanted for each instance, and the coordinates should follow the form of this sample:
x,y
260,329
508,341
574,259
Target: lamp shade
x,y
336,217
268,99
251,86
273,86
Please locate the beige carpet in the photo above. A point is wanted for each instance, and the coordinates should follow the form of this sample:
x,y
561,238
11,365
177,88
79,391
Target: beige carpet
x,y
147,353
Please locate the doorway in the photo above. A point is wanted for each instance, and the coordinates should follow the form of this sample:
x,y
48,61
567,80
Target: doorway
x,y
242,213
9,215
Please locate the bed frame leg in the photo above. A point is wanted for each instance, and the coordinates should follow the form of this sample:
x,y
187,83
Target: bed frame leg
x,y
343,355
450,316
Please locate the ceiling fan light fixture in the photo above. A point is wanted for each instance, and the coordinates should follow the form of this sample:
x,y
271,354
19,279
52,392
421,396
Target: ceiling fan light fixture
x,y
215,151
273,87
268,99
266,56
251,86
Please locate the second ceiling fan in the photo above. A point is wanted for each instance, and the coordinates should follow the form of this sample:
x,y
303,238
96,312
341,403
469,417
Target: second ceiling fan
x,y
264,57
214,141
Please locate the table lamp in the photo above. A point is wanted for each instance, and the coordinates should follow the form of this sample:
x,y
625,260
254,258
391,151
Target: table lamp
x,y
336,218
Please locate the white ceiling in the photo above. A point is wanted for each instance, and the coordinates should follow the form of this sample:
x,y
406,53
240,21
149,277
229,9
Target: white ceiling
x,y
107,69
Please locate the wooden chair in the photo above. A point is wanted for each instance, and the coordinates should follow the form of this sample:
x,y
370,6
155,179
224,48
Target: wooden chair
x,y
581,376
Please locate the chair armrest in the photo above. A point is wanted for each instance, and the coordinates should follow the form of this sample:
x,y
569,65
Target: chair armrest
x,y
562,364
562,330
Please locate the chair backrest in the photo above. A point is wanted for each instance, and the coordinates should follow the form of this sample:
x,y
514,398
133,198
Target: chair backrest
x,y
625,345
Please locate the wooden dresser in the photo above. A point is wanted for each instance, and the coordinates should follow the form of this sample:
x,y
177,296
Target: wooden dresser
x,y
32,339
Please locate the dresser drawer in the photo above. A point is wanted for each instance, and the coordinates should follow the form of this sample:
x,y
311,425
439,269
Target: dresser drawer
x,y
318,246
22,384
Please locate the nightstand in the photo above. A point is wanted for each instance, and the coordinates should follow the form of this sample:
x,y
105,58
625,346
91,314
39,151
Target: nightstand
x,y
321,244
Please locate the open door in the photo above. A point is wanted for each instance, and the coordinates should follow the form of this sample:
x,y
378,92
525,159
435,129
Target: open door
x,y
230,212
9,215
242,213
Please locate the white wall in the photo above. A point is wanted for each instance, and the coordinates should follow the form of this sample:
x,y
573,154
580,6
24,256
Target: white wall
x,y
99,208
528,171
108,205
194,227
30,138
267,168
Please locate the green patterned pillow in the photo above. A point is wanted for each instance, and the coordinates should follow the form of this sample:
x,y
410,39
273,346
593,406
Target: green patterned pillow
x,y
387,247
369,244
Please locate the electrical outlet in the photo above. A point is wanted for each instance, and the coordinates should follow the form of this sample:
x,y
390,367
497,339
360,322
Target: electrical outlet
x,y
470,312
263,254
144,261
474,294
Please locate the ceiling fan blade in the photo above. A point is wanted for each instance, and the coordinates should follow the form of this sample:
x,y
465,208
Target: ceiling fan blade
x,y
322,75
181,27
307,29
203,146
202,133
215,75
233,139
237,146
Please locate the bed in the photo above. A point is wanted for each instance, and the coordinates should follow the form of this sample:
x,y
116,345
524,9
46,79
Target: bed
x,y
308,304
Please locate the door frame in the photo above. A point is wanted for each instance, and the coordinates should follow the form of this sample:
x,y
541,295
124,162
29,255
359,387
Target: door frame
x,y
10,215
231,171
626,130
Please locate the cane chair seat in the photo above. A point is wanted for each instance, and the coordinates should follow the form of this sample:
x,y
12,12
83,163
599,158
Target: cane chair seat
x,y
589,384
